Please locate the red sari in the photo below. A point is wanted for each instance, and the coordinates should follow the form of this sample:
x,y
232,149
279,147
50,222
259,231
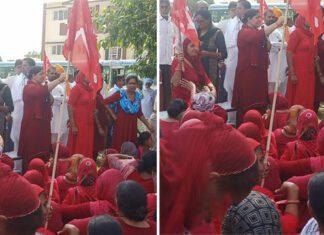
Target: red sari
x,y
304,147
166,128
251,77
131,230
99,140
35,134
125,127
82,103
195,74
301,45
319,87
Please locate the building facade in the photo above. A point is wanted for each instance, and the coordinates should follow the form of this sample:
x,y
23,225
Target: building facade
x,y
55,20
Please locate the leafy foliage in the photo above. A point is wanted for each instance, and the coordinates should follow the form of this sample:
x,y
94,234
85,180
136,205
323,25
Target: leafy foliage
x,y
132,24
33,54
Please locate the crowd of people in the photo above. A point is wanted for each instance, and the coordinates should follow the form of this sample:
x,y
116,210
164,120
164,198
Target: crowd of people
x,y
105,174
216,176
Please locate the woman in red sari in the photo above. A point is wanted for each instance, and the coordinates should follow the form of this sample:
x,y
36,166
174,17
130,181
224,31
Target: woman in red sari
x,y
35,135
319,81
81,107
307,131
188,74
251,78
86,189
128,111
300,58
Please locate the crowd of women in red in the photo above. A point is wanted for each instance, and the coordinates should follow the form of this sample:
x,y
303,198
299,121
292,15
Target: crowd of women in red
x,y
117,195
211,178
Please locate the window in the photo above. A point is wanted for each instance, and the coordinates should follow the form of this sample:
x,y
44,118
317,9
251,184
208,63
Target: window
x,y
63,29
61,15
57,50
115,53
53,50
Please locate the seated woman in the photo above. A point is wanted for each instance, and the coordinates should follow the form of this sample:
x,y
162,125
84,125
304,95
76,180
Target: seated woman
x,y
63,160
145,143
305,146
255,117
69,179
175,110
139,171
188,74
281,112
39,165
85,191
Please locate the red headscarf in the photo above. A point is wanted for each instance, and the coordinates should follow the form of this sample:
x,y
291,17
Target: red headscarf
x,y
107,185
306,120
35,177
63,152
7,160
299,23
255,117
38,190
39,165
251,130
17,197
87,167
207,146
79,80
282,102
194,60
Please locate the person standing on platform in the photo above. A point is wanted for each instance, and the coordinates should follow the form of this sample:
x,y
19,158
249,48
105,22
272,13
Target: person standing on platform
x,y
251,78
275,39
17,97
166,36
128,111
58,92
35,135
81,107
212,46
300,57
148,98
232,30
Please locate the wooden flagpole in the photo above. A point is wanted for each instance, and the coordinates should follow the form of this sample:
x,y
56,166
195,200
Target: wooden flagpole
x,y
57,142
265,162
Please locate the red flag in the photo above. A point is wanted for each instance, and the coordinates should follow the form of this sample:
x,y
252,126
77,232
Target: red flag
x,y
82,44
46,62
181,16
312,11
263,8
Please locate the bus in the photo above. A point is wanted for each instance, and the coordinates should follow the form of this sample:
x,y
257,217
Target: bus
x,y
111,68
220,11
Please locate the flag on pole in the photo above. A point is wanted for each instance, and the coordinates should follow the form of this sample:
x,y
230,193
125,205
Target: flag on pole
x,y
81,44
46,62
263,8
181,17
312,11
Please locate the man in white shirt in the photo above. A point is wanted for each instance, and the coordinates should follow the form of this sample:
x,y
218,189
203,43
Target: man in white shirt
x,y
222,25
147,101
17,97
232,30
275,39
165,47
58,93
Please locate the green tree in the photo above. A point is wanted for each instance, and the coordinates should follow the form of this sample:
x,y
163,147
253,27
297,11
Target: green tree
x,y
131,24
33,54
192,4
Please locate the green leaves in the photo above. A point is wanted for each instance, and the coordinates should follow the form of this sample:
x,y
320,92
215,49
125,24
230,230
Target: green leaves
x,y
132,24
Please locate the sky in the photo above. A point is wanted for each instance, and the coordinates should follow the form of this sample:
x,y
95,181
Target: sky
x,y
21,23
